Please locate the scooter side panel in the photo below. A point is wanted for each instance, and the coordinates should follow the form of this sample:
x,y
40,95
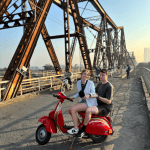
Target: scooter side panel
x,y
98,126
49,124
51,114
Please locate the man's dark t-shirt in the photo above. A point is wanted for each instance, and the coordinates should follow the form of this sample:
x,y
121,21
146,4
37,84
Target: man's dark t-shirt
x,y
105,91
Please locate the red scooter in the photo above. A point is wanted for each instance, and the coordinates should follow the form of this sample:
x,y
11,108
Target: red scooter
x,y
98,128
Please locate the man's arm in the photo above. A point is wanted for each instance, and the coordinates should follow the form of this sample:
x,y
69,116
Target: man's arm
x,y
105,100
109,96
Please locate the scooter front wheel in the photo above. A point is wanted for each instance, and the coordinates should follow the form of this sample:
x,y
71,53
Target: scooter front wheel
x,y
98,138
42,136
63,87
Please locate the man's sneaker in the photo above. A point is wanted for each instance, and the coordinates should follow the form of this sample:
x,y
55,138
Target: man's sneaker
x,y
73,131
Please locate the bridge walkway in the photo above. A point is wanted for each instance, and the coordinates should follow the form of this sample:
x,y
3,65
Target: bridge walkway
x,y
18,121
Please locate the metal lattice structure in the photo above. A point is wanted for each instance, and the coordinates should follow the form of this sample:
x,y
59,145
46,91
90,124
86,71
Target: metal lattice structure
x,y
110,49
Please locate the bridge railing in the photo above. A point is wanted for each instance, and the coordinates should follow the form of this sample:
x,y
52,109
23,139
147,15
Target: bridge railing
x,y
49,72
38,84
146,76
4,87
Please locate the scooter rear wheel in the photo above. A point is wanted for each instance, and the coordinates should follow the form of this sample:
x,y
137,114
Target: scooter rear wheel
x,y
98,138
42,136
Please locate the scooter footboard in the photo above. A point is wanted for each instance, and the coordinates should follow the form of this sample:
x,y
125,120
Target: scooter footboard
x,y
98,126
49,124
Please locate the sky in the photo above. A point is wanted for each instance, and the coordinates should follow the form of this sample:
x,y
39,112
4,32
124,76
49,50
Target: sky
x,y
133,15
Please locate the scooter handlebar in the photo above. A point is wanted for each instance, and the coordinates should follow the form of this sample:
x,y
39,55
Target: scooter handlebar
x,y
55,95
69,99
58,96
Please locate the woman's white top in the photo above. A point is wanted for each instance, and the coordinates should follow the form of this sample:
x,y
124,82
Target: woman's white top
x,y
89,89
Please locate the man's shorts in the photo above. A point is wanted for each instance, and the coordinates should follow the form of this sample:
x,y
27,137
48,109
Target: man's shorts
x,y
83,101
102,110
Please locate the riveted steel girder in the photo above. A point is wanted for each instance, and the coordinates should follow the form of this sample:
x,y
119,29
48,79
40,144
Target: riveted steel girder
x,y
3,6
121,48
72,49
98,46
81,38
90,25
14,7
104,42
25,50
11,22
48,43
110,48
67,34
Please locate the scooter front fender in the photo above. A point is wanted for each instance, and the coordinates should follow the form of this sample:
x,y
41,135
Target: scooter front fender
x,y
98,126
49,124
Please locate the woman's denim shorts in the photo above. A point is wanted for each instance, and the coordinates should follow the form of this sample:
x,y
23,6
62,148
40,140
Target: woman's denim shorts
x,y
83,101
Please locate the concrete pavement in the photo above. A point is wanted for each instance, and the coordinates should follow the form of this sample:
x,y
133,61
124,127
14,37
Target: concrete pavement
x,y
18,121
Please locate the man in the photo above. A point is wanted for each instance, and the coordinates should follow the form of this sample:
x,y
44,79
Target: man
x,y
104,96
97,70
68,75
128,71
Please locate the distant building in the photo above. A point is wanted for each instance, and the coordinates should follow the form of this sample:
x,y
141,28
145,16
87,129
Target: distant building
x,y
146,55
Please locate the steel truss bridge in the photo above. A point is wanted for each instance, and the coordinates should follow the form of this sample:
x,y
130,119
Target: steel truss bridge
x,y
110,49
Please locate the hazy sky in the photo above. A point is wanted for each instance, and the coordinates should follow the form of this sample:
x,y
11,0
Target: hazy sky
x,y
133,15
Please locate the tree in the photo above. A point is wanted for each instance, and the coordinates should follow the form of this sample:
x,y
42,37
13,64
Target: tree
x,y
48,67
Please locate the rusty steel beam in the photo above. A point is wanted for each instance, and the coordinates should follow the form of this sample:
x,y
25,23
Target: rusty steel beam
x,y
121,48
100,9
3,6
60,5
90,25
60,36
67,34
48,43
14,7
81,38
115,46
73,47
105,42
16,22
78,1
25,50
24,9
98,46
109,45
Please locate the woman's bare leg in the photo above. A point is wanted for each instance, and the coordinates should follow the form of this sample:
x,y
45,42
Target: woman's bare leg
x,y
74,109
89,111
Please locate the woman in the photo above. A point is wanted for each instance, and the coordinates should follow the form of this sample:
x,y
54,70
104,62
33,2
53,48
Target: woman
x,y
85,89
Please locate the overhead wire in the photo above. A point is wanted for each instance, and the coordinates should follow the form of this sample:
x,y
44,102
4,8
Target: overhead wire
x,y
88,9
57,20
61,23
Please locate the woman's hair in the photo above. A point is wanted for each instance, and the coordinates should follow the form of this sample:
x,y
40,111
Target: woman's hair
x,y
105,71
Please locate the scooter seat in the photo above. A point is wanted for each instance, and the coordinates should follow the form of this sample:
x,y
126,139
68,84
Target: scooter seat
x,y
95,115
